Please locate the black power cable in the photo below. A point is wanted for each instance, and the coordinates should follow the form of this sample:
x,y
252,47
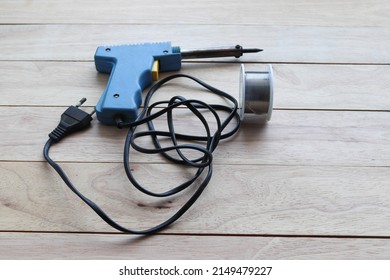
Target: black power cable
x,y
74,119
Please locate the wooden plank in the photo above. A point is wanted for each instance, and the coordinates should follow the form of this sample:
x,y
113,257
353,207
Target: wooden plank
x,y
303,44
241,199
296,86
83,246
230,12
291,138
307,174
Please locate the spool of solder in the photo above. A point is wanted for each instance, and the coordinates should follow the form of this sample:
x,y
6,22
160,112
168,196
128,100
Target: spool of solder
x,y
256,92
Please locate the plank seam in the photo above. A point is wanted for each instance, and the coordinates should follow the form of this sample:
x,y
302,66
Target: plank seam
x,y
319,236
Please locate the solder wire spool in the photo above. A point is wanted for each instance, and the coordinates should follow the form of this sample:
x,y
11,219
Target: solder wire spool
x,y
256,92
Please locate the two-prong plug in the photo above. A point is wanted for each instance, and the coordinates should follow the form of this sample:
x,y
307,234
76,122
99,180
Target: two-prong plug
x,y
73,119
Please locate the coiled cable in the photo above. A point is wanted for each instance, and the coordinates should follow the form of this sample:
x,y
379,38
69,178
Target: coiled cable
x,y
147,116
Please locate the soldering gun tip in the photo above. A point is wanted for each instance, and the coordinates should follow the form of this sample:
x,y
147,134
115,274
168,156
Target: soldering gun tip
x,y
255,50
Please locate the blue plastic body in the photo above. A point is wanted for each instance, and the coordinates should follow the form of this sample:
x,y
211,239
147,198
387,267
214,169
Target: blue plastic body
x,y
130,67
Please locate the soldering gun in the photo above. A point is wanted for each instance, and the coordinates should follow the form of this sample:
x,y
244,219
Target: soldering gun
x,y
133,67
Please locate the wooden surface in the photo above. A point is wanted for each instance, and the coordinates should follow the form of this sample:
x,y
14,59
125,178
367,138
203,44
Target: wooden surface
x,y
311,184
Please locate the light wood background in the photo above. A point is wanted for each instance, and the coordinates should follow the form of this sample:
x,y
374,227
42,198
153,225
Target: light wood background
x,y
311,184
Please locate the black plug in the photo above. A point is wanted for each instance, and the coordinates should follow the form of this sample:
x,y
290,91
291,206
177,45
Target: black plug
x,y
73,119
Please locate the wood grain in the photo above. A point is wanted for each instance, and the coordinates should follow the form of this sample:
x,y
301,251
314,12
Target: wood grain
x,y
292,138
296,86
228,12
284,44
103,246
311,184
241,199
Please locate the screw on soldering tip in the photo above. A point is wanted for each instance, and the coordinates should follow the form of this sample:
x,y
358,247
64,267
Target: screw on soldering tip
x,y
255,50
81,102
242,51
